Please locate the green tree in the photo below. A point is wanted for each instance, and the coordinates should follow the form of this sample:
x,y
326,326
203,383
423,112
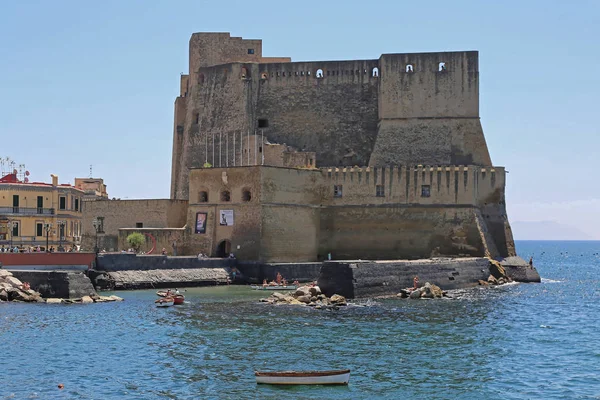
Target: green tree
x,y
136,240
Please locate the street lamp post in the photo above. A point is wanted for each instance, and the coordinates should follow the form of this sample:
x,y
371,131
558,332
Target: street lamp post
x,y
61,230
96,225
47,227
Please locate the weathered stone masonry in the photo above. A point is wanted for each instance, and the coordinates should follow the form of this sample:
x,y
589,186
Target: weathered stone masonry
x,y
427,185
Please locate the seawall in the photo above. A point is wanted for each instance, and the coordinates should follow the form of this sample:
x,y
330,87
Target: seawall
x,y
254,272
123,271
383,278
57,284
132,262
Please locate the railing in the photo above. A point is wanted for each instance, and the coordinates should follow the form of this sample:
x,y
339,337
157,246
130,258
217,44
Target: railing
x,y
27,210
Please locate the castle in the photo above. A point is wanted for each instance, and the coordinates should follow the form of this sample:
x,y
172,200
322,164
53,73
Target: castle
x,y
281,161
382,158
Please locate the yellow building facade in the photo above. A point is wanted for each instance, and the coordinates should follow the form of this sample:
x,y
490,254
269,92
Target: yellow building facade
x,y
39,214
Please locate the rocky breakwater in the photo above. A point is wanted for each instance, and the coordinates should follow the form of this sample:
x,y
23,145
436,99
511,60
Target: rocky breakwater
x,y
310,296
427,291
12,289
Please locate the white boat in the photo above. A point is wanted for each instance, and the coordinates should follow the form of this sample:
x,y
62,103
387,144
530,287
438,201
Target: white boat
x,y
274,287
165,302
339,377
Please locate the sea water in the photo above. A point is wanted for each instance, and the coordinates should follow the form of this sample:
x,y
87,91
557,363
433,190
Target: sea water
x,y
518,341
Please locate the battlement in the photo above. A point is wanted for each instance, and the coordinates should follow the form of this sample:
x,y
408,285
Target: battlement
x,y
439,184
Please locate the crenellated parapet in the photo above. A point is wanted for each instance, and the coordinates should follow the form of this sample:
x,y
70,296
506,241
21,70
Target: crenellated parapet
x,y
424,185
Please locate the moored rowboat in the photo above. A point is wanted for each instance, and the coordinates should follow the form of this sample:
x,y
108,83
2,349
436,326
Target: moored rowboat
x,y
338,377
274,287
164,302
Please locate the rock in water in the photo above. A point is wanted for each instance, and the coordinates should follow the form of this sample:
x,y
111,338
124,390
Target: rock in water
x,y
3,295
315,291
278,296
14,282
302,291
4,273
53,301
86,300
497,270
415,294
18,295
338,300
436,291
304,299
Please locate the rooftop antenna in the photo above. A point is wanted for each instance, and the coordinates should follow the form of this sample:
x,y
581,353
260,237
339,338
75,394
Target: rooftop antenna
x,y
91,171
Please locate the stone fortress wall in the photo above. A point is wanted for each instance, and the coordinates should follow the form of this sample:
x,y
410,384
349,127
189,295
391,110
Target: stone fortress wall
x,y
427,184
292,215
403,109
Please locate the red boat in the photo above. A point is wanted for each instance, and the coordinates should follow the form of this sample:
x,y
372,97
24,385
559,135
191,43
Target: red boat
x,y
178,299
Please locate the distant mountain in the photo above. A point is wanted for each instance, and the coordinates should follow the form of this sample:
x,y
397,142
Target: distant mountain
x,y
546,230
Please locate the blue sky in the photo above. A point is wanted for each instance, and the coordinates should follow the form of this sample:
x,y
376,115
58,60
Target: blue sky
x,y
94,82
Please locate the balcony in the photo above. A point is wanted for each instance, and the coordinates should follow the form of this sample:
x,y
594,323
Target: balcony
x,y
26,211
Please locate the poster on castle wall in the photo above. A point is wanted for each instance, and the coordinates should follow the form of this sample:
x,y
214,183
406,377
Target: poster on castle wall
x,y
201,222
226,218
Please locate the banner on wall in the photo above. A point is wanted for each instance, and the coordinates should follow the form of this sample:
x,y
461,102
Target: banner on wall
x,y
226,218
201,222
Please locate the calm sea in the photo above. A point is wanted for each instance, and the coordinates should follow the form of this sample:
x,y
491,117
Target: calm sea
x,y
519,341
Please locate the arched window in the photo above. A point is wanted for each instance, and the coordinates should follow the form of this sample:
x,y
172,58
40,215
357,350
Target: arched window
x,y
319,73
442,67
203,197
409,68
246,195
375,72
200,78
225,195
263,75
245,73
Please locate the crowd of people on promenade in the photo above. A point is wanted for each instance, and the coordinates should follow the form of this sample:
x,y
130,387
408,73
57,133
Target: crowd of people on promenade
x,y
37,249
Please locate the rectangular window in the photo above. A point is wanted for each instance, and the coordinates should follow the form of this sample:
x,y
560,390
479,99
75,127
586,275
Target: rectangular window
x,y
139,224
76,204
100,224
263,123
62,203
15,228
15,203
337,190
39,229
379,191
250,51
40,204
425,191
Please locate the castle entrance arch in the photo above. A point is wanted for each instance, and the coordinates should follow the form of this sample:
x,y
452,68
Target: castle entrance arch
x,y
224,248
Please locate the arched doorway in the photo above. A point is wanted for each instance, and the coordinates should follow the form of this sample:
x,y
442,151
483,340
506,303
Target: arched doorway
x,y
224,248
